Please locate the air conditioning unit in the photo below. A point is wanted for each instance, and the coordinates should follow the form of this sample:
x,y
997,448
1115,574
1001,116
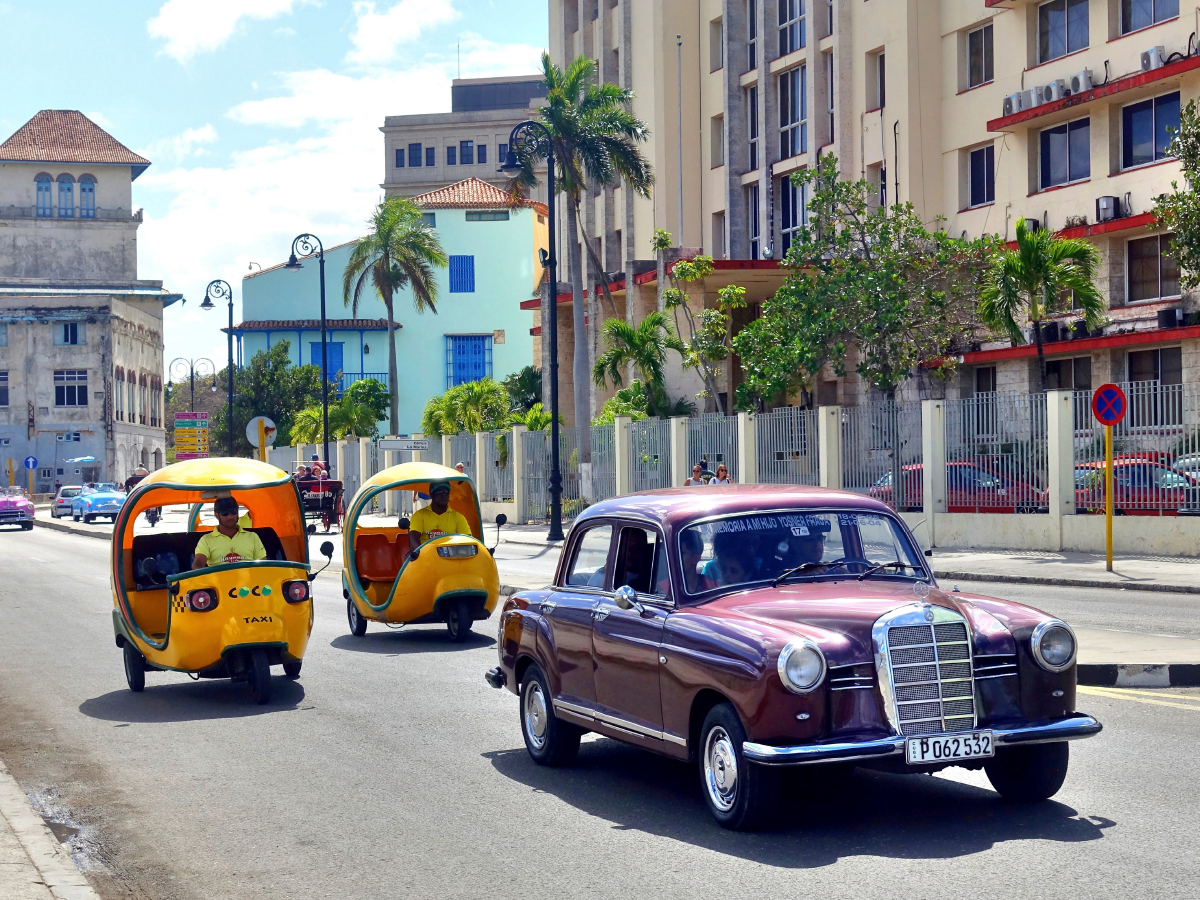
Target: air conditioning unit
x,y
1108,208
1013,104
1153,58
1031,98
1081,81
1055,90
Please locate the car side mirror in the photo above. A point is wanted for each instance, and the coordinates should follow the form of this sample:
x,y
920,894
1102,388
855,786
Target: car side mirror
x,y
501,520
627,599
929,552
327,549
403,523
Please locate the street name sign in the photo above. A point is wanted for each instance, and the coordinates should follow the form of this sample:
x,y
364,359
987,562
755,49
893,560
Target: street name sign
x,y
395,444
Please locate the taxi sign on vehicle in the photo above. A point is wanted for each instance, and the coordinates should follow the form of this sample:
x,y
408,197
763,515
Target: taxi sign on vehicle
x,y
1109,404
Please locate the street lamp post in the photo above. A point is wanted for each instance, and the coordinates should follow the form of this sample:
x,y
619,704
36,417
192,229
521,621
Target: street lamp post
x,y
220,290
307,245
188,368
533,138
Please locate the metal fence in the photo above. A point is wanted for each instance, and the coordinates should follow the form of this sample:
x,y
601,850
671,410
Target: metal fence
x,y
996,453
536,446
496,480
713,438
787,446
434,453
881,452
1156,451
604,462
650,456
350,474
282,458
462,450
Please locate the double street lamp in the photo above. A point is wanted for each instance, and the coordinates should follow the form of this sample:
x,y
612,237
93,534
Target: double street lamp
x,y
307,245
220,290
533,139
189,368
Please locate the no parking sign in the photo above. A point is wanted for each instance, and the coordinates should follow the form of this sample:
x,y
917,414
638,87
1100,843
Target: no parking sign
x,y
1109,404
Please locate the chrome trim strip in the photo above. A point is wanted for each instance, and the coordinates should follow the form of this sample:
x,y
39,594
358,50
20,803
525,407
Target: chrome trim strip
x,y
853,687
613,721
1001,675
1070,729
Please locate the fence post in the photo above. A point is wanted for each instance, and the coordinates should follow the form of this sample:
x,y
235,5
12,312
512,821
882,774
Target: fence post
x,y
391,499
299,453
933,463
416,454
747,444
516,459
480,475
623,454
679,459
339,457
1060,453
364,461
446,460
829,438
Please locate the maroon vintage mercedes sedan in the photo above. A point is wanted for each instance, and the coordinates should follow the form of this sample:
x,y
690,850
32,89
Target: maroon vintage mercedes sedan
x,y
749,627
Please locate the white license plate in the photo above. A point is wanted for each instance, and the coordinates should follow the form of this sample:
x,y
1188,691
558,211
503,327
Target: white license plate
x,y
949,747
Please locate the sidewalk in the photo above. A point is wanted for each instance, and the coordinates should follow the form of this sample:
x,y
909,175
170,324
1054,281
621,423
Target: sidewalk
x,y
33,864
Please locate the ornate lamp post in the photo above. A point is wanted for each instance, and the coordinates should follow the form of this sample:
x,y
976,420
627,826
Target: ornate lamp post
x,y
533,139
307,245
220,290
189,368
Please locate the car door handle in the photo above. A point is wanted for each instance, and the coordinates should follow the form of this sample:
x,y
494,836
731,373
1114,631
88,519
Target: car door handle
x,y
548,606
599,614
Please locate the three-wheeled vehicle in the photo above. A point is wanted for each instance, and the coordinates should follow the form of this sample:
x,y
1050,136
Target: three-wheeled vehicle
x,y
233,620
451,578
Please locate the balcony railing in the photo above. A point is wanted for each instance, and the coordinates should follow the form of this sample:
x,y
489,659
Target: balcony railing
x,y
120,214
348,378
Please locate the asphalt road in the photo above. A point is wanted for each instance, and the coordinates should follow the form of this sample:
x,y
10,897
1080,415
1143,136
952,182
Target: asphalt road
x,y
390,769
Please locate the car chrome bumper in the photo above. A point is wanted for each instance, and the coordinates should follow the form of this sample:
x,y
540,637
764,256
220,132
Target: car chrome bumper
x,y
1069,729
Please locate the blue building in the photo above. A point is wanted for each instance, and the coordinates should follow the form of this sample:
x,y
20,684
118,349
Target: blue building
x,y
479,329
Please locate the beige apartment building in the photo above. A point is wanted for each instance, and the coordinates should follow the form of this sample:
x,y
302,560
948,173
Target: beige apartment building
x,y
979,112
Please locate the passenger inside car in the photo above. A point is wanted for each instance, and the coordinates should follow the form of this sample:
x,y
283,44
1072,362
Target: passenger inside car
x,y
730,564
691,551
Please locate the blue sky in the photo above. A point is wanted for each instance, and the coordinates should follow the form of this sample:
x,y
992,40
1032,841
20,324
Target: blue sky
x,y
260,117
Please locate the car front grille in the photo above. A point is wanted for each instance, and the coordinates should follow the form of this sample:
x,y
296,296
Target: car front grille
x,y
928,669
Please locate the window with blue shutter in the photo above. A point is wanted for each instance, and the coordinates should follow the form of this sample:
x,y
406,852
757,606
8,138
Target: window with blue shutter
x,y
468,358
462,274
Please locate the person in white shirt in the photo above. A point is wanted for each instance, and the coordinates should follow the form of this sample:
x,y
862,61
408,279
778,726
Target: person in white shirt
x,y
722,476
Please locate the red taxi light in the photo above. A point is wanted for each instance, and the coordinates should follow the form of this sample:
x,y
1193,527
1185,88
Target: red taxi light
x,y
202,600
295,591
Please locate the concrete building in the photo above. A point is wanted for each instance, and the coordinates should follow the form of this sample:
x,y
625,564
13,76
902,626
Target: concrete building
x,y
81,337
425,152
479,329
913,97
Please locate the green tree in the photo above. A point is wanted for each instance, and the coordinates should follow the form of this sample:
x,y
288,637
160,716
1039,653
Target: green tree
x,y
536,418
474,406
876,280
1026,284
524,389
356,414
398,252
633,401
644,348
269,385
1180,210
594,138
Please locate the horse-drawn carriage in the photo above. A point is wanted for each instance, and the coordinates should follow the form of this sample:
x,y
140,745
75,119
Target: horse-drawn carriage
x,y
321,496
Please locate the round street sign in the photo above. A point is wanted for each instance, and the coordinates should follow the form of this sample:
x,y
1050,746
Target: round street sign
x,y
268,431
31,463
1109,404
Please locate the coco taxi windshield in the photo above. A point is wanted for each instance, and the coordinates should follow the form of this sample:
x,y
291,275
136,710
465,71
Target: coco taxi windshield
x,y
779,546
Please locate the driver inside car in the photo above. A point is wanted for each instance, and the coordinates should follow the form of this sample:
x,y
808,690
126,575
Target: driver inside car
x,y
229,542
437,518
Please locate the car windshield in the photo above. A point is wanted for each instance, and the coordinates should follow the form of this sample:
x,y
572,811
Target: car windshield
x,y
106,487
14,491
819,544
70,492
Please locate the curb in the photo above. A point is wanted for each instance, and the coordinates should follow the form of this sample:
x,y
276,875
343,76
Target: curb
x,y
59,873
1133,675
1068,582
55,525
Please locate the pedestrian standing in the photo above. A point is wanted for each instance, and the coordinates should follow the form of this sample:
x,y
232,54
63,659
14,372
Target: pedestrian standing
x,y
697,475
722,476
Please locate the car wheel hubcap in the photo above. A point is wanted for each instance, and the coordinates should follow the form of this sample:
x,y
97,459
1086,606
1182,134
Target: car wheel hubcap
x,y
535,715
720,769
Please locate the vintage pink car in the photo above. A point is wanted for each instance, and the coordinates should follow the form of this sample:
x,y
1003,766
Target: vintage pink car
x,y
16,508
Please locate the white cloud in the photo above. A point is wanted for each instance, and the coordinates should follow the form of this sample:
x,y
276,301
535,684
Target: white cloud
x,y
482,58
200,26
377,35
178,148
102,120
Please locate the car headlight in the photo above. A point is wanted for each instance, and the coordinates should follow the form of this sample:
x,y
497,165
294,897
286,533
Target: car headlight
x,y
1053,644
801,666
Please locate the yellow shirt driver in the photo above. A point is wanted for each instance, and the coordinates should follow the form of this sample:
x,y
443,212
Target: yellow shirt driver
x,y
437,518
229,542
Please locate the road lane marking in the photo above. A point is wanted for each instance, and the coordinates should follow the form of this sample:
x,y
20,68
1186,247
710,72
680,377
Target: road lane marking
x,y
1125,694
1158,694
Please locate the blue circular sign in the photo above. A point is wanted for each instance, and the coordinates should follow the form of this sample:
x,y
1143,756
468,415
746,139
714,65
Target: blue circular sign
x,y
31,463
1109,404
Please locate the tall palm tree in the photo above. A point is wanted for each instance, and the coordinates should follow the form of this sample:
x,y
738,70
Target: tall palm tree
x,y
595,138
644,348
1027,282
398,252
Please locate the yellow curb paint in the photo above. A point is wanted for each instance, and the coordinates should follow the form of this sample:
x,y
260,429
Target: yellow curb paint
x,y
1121,694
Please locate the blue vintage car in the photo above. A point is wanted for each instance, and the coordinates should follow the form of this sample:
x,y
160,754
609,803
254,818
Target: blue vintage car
x,y
98,500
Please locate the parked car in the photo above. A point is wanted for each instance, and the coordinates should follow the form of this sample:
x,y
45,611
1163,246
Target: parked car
x,y
1188,464
15,507
61,505
751,627
1141,487
971,486
103,499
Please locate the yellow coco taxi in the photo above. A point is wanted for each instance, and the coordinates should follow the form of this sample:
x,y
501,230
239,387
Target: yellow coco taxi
x,y
232,620
449,578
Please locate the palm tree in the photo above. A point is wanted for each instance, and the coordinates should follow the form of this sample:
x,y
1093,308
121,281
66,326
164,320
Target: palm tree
x,y
474,406
536,418
595,138
398,252
1028,281
644,348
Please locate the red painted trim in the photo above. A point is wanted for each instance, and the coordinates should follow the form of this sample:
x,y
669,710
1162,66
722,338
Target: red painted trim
x,y
1137,79
977,87
874,109
1057,58
1143,28
967,209
1059,187
1128,223
1150,165
645,278
536,330
1155,336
